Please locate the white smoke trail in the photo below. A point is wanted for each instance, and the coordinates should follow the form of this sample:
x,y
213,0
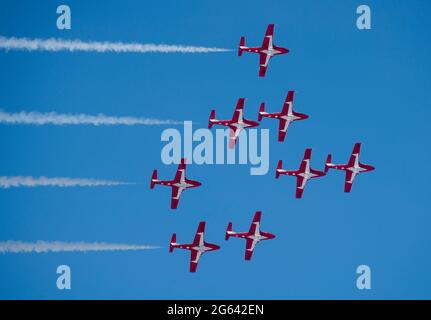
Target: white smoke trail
x,y
53,118
59,246
10,182
53,44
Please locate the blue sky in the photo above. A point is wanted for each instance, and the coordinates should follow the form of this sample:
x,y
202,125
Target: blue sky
x,y
369,86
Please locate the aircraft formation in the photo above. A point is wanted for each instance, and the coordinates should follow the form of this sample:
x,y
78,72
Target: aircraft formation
x,y
199,246
236,124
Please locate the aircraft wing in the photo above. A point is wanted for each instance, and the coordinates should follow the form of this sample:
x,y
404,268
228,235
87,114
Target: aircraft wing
x,y
254,230
269,34
300,185
354,157
238,114
350,177
181,171
175,196
283,125
194,259
255,224
250,244
199,237
305,164
234,132
288,104
263,64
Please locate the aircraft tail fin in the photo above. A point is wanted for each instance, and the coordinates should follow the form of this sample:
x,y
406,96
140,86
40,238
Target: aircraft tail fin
x,y
153,179
277,171
328,162
229,228
173,241
212,117
261,111
241,44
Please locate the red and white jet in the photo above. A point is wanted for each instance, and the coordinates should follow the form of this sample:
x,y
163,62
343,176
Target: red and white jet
x,y
178,185
236,125
302,175
197,248
266,51
285,117
352,168
253,236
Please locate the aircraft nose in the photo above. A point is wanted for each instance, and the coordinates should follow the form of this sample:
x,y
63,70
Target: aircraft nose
x,y
216,247
197,183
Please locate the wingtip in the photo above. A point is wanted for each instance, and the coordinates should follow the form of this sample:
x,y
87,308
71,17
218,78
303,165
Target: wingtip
x,y
290,96
257,215
307,153
201,226
357,147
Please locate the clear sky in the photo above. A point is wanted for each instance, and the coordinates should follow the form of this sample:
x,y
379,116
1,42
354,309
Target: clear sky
x,y
370,86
